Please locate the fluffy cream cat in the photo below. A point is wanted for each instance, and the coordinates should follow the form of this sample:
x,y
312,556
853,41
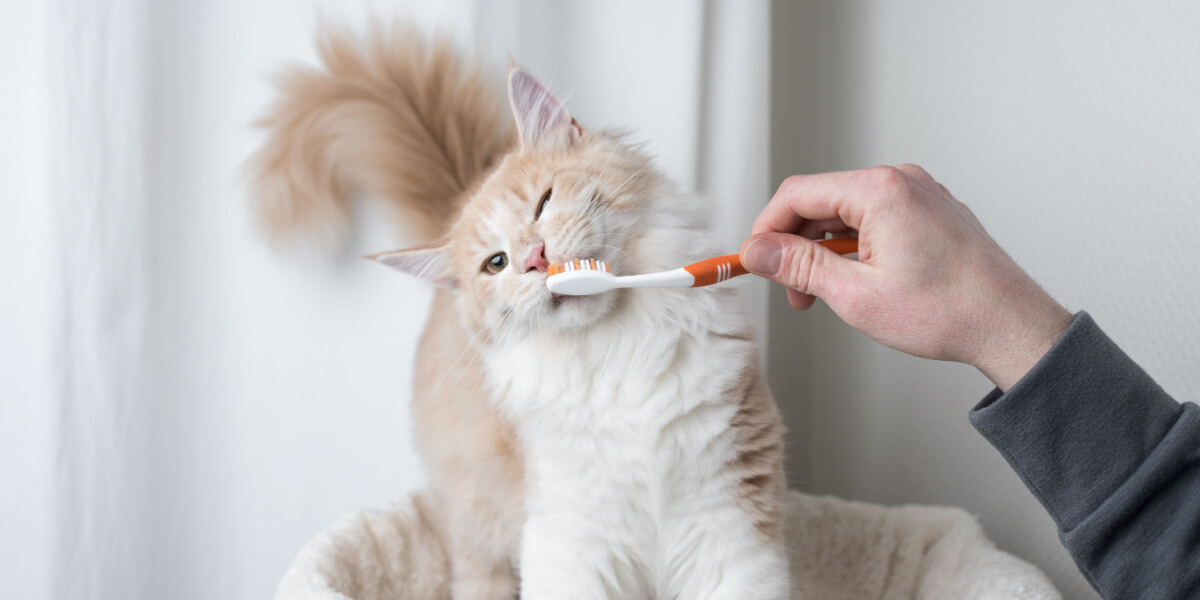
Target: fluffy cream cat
x,y
622,445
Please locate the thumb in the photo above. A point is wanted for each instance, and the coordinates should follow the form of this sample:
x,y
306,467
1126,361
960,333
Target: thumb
x,y
798,263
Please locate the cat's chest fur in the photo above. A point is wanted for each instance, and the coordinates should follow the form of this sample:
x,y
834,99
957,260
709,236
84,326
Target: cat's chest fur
x,y
640,404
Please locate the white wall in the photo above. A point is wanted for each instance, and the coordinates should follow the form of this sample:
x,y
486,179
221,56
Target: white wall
x,y
1072,129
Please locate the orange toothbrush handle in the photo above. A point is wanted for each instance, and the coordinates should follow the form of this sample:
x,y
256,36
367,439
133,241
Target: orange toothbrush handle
x,y
716,269
721,268
841,245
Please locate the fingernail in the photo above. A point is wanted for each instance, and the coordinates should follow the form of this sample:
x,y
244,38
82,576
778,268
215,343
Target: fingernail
x,y
763,257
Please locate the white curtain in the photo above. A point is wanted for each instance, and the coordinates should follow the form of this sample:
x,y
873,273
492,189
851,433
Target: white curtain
x,y
78,412
182,407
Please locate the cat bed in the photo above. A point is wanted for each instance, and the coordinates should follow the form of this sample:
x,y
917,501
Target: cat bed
x,y
838,549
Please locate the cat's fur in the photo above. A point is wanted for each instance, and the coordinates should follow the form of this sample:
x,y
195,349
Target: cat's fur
x,y
624,444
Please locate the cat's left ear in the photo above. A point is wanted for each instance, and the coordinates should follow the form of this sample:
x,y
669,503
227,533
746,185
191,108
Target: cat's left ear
x,y
431,263
542,121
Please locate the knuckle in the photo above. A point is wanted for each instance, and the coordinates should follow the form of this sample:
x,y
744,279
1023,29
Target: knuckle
x,y
802,267
916,172
895,185
888,177
791,184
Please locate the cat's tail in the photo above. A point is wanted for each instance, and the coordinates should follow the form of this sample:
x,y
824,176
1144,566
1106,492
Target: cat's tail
x,y
391,116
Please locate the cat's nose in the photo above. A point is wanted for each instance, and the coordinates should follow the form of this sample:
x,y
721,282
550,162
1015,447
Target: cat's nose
x,y
537,259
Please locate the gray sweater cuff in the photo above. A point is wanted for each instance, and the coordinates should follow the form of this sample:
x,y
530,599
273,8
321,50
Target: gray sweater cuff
x,y
1112,457
1079,424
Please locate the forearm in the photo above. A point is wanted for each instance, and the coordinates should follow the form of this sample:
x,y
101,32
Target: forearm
x,y
1114,460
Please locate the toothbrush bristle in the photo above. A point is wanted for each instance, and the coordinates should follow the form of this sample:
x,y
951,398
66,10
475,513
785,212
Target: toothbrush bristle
x,y
584,264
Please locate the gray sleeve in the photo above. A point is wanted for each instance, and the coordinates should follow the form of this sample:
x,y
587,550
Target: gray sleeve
x,y
1112,457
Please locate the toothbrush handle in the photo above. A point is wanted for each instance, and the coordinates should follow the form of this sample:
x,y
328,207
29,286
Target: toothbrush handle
x,y
716,269
841,245
721,268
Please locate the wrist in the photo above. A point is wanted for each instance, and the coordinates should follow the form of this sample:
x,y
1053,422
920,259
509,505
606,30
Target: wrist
x,y
1019,338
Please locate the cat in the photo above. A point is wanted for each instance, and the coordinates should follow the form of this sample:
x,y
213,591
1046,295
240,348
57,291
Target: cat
x,y
621,445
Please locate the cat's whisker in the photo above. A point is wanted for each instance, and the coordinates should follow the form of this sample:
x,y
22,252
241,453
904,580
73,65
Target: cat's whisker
x,y
491,337
607,161
592,237
620,251
637,173
607,356
454,364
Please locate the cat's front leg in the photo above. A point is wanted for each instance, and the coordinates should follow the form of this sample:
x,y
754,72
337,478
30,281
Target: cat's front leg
x,y
568,556
477,575
482,535
760,573
729,560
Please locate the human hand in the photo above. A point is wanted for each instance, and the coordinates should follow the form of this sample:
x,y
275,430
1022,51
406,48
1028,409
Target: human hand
x,y
929,280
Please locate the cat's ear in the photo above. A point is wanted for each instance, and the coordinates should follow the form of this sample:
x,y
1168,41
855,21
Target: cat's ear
x,y
431,263
542,121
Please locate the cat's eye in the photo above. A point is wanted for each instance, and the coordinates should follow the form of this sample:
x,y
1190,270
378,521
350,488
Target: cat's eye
x,y
542,204
495,263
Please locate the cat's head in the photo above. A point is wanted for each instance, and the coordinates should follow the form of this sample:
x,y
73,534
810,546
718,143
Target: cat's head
x,y
566,192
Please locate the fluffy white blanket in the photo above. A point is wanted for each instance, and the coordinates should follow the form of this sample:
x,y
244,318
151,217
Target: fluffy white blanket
x,y
839,549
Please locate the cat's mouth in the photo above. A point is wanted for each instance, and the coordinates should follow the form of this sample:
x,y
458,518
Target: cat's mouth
x,y
570,312
557,300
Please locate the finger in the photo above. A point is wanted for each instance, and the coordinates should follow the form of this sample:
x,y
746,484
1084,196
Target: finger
x,y
846,195
801,264
800,301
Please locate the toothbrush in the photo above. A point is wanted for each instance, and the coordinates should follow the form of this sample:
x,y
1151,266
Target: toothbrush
x,y
582,277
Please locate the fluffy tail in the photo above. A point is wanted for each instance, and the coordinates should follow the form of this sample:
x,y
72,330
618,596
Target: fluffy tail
x,y
392,116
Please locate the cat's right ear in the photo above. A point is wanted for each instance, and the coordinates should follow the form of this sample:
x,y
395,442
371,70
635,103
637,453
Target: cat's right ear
x,y
542,120
431,263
